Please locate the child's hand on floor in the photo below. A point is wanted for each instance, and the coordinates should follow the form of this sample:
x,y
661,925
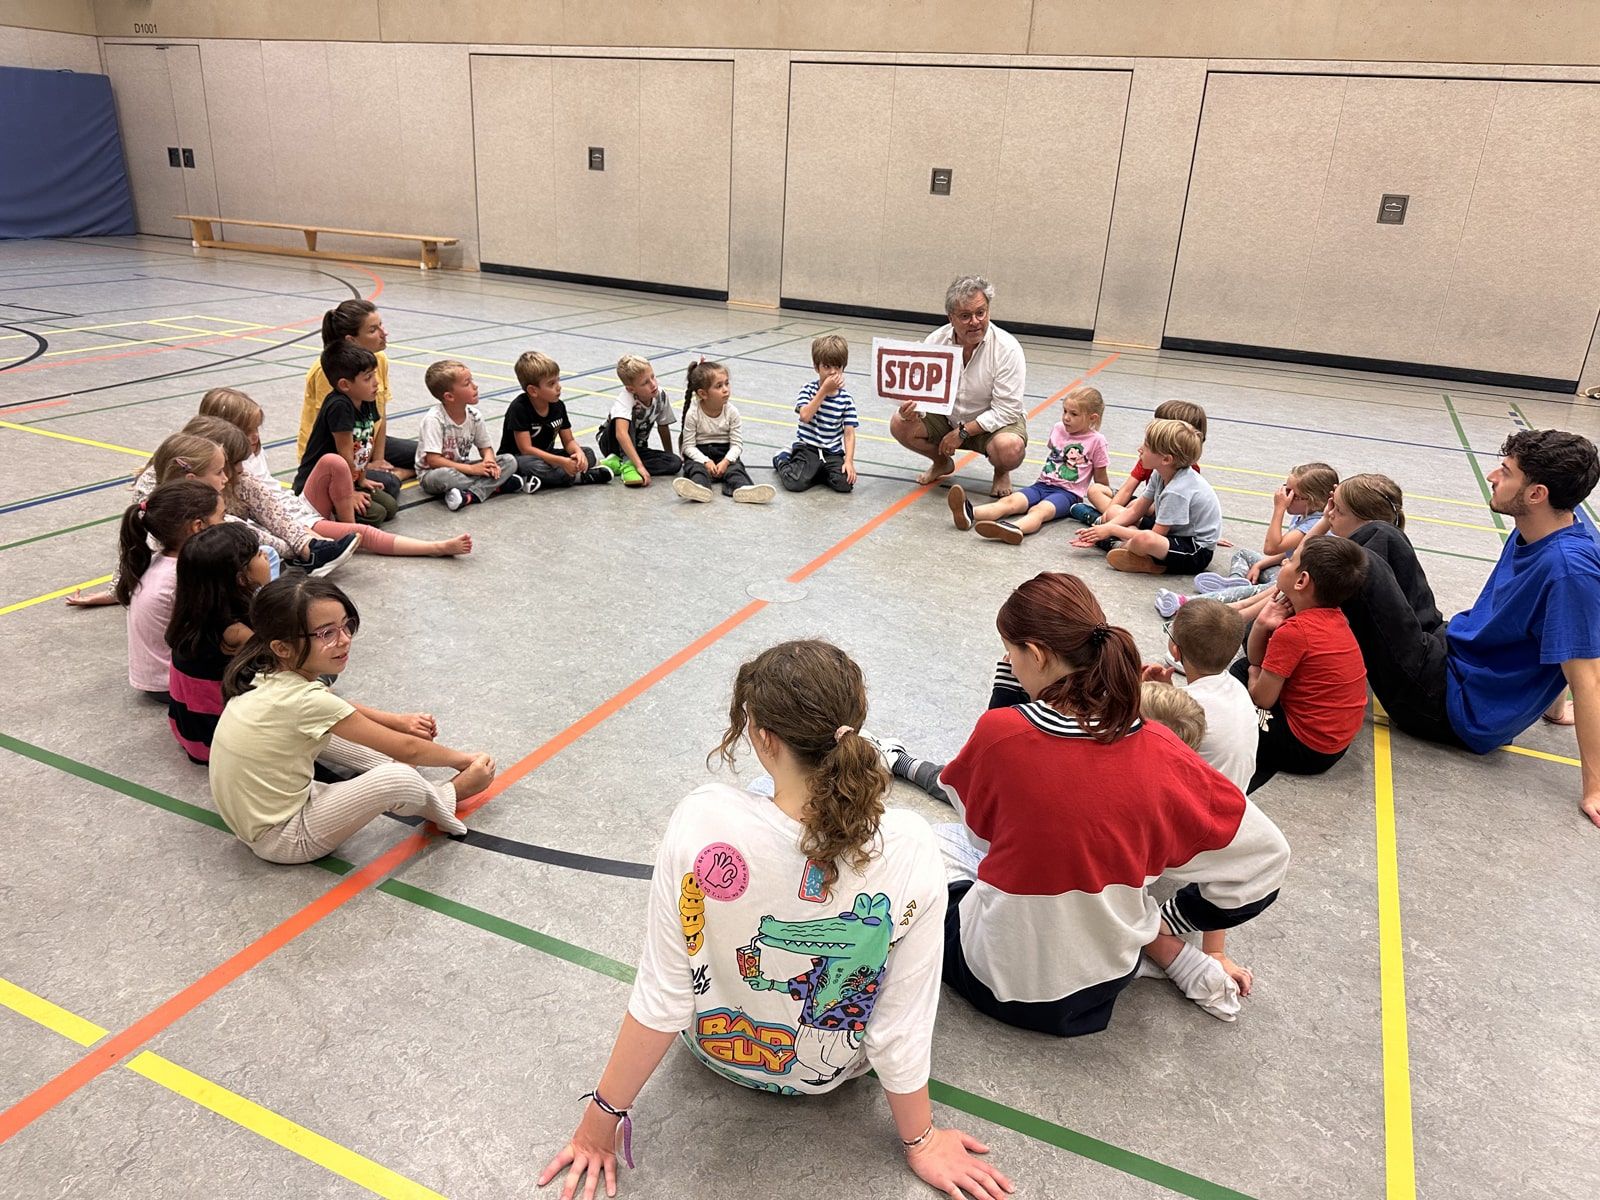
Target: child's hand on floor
x,y
1240,975
644,477
1091,535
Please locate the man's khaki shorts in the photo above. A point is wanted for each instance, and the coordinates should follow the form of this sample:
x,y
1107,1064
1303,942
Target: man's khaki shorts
x,y
937,425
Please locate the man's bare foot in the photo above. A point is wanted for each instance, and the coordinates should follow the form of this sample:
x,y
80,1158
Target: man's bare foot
x,y
1560,713
460,544
101,599
1001,485
941,467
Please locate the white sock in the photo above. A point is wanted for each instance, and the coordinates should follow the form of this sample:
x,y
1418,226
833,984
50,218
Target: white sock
x,y
1201,978
1148,969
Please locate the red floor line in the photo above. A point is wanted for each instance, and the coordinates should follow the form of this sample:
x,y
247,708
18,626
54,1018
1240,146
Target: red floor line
x,y
120,1045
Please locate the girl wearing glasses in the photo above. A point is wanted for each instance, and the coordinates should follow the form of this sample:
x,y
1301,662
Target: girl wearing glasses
x,y
280,721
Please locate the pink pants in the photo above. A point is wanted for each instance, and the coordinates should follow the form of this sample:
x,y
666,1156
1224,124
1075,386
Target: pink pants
x,y
373,540
330,483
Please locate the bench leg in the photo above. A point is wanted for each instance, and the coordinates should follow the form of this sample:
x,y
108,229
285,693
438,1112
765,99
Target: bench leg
x,y
311,239
430,256
202,232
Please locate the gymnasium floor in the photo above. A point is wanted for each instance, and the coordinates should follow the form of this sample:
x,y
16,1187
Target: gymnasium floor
x,y
1424,1018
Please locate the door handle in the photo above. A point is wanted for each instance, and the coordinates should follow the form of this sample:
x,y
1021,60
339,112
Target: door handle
x,y
188,158
172,157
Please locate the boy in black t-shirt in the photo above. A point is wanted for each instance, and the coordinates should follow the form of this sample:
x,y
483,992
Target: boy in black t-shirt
x,y
333,473
538,432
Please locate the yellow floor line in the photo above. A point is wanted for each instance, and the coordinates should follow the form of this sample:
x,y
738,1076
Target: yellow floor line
x,y
247,1114
11,337
68,437
1400,1168
55,595
1547,757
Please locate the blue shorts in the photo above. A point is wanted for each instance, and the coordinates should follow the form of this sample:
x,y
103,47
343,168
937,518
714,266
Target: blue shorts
x,y
1059,499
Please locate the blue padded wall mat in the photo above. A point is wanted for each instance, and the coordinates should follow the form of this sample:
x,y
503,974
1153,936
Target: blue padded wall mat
x,y
61,168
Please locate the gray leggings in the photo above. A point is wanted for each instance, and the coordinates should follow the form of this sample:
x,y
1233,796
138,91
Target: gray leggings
x,y
336,811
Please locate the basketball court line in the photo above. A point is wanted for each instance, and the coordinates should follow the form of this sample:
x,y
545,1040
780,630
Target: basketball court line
x,y
21,1114
1399,1153
228,1104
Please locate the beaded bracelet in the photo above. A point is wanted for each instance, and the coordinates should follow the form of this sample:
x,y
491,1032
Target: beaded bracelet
x,y
919,1139
627,1124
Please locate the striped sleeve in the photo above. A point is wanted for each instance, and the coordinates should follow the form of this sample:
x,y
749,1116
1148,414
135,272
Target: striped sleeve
x,y
1229,884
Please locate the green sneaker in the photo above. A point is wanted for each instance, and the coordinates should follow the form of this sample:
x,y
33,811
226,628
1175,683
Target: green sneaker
x,y
614,461
630,474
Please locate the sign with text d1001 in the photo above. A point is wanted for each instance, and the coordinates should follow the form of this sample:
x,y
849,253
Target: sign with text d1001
x,y
915,372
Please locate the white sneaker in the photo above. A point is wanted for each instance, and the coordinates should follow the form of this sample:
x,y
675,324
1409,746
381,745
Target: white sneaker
x,y
453,499
1168,602
688,489
754,493
531,484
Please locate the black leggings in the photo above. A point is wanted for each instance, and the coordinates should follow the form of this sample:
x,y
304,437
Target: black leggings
x,y
733,478
1277,748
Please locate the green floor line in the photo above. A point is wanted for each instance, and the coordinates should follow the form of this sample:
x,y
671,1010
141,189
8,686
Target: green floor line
x,y
40,537
1477,471
1030,1126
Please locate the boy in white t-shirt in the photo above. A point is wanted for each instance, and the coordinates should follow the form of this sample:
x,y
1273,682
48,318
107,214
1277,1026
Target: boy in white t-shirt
x,y
625,435
1203,638
447,438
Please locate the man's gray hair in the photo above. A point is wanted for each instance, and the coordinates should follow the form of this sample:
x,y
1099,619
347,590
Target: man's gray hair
x,y
964,288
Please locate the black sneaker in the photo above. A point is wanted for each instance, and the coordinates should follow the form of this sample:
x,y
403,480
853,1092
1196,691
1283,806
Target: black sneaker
x,y
599,473
328,556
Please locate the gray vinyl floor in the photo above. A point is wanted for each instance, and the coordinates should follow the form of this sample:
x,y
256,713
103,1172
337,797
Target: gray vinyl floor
x,y
1426,999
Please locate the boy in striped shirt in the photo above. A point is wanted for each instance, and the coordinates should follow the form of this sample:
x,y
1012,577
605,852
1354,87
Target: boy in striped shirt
x,y
825,442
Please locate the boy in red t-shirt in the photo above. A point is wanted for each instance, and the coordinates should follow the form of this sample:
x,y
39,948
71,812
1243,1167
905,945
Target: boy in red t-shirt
x,y
1303,664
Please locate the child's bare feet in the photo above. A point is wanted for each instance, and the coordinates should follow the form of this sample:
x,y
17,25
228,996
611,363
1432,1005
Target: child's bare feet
x,y
477,776
460,544
101,599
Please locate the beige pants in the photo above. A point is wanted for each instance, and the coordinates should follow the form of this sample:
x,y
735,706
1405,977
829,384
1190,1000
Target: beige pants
x,y
336,811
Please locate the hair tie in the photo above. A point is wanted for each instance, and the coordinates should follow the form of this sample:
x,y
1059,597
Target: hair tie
x,y
1100,635
144,504
838,734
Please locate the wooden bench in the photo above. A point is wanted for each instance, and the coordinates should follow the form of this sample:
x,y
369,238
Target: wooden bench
x,y
204,235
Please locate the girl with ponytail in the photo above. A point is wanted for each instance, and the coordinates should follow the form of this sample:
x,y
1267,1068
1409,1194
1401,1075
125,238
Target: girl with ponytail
x,y
804,907
147,580
1070,805
358,321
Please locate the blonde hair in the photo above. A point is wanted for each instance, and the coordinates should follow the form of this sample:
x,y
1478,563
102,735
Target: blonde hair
x,y
442,376
1374,498
1089,398
232,406
1177,710
830,350
1207,634
631,367
1314,482
533,367
1179,440
183,454
235,447
810,696
1182,410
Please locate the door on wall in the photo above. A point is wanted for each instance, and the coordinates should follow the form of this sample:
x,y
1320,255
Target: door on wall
x,y
166,139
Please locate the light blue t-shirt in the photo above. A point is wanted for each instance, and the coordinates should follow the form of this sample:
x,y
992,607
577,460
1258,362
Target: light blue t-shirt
x,y
1539,609
1188,506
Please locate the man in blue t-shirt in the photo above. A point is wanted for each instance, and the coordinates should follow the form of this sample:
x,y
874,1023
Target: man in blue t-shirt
x,y
1534,630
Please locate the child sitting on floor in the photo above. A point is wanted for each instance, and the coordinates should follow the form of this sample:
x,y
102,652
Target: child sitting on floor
x,y
825,440
625,436
747,886
1304,666
537,422
1302,498
219,570
713,442
147,581
333,473
1100,497
1077,458
1173,525
450,433
280,719
1203,639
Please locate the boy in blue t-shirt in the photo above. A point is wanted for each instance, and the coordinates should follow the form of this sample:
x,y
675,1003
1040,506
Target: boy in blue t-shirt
x,y
824,448
1533,631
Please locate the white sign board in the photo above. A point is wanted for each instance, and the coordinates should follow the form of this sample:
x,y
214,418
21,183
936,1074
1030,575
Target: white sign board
x,y
917,373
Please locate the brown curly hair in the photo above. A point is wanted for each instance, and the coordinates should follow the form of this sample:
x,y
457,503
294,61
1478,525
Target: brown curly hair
x,y
802,693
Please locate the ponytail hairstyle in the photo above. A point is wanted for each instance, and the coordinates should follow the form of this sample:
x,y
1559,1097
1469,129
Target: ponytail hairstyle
x,y
811,697
1314,483
213,587
1058,613
1374,498
699,376
345,321
234,407
165,515
278,613
181,454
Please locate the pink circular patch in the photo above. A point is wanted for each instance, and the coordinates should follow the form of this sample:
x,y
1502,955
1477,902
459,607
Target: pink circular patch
x,y
721,872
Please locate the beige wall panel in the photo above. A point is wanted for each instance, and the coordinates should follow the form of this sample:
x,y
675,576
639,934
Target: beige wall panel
x,y
241,136
1555,31
943,117
194,129
16,46
362,119
143,93
1186,28
513,121
64,52
597,212
1589,378
1152,183
300,123
1051,196
436,193
760,131
838,167
952,26
1526,287
1375,291
66,16
1261,164
685,116
282,20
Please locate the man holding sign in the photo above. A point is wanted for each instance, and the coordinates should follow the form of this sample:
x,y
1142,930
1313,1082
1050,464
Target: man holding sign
x,y
986,414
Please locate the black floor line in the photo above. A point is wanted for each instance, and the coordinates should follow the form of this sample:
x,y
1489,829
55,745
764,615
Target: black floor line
x,y
544,854
40,345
